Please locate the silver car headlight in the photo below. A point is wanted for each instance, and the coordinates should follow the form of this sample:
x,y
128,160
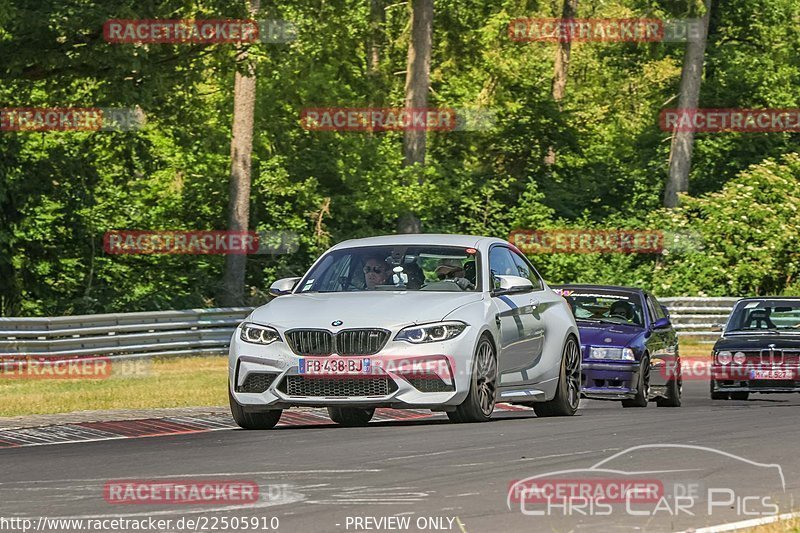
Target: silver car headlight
x,y
255,334
620,354
441,331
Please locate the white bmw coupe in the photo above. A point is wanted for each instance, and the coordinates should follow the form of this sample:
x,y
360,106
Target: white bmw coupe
x,y
450,323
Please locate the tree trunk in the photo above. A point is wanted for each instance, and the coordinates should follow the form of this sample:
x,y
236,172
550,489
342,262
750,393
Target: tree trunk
x,y
244,103
418,76
377,21
561,70
680,153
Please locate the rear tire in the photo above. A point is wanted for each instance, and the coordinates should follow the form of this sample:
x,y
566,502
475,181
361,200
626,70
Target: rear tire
x,y
740,395
480,401
642,386
350,416
568,393
245,420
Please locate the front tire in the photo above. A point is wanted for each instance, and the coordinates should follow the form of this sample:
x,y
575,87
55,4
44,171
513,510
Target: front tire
x,y
642,386
350,416
480,401
740,395
245,420
568,393
674,390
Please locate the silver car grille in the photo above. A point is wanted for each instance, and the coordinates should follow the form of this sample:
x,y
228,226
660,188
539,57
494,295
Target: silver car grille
x,y
345,342
338,387
310,341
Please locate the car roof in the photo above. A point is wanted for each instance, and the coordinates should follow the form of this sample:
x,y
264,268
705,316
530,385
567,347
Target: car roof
x,y
762,298
597,287
408,239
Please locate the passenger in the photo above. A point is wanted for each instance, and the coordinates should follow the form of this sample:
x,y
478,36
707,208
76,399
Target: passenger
x,y
446,271
376,272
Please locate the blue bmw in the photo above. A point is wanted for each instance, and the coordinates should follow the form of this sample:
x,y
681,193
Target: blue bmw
x,y
629,347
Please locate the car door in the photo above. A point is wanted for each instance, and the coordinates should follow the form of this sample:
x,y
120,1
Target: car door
x,y
520,331
657,343
669,336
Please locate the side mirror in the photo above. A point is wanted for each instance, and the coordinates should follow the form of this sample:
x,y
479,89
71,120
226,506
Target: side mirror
x,y
511,285
661,323
718,327
283,286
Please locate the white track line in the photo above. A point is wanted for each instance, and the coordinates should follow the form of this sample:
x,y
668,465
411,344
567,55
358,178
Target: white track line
x,y
754,522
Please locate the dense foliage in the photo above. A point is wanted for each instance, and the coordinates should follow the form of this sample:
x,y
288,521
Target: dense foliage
x,y
61,191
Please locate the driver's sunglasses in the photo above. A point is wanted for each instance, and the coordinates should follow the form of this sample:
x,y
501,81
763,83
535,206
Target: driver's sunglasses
x,y
376,269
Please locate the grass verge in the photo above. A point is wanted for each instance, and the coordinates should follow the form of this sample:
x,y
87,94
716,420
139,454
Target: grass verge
x,y
142,384
146,384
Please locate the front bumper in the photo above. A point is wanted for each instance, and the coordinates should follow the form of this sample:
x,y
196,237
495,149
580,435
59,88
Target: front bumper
x,y
732,379
609,380
401,376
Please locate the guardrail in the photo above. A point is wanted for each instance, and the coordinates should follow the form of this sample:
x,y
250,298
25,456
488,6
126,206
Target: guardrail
x,y
208,331
694,317
163,333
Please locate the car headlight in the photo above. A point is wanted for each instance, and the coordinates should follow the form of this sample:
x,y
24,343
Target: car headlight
x,y
255,334
442,331
621,354
724,357
739,358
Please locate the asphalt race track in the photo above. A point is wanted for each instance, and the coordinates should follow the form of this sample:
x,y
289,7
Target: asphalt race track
x,y
439,476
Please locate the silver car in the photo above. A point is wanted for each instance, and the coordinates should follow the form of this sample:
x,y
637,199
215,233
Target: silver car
x,y
449,323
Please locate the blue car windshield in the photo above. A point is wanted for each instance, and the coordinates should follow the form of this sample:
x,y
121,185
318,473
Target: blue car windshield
x,y
605,306
395,268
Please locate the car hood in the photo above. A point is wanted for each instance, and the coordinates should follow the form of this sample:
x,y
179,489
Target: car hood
x,y
593,334
360,309
755,342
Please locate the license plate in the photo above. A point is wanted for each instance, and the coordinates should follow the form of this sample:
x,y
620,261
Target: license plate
x,y
333,367
772,374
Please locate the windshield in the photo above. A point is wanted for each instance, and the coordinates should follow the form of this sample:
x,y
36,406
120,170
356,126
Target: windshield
x,y
607,306
766,315
392,268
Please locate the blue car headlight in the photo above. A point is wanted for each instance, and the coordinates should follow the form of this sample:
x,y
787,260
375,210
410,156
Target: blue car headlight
x,y
618,354
441,331
255,334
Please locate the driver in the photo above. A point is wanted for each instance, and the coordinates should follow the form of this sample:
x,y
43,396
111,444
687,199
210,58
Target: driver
x,y
376,272
621,309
